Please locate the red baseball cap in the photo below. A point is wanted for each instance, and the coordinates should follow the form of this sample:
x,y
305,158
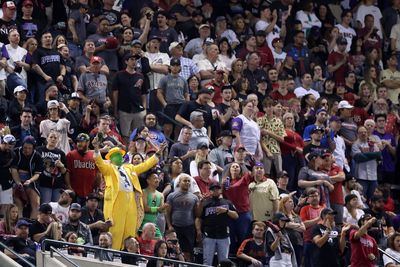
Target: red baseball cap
x,y
27,3
239,147
95,59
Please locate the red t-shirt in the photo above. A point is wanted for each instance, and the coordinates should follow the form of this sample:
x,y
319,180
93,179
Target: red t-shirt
x,y
146,246
238,193
308,213
336,196
359,116
340,73
283,99
82,170
203,186
360,248
266,56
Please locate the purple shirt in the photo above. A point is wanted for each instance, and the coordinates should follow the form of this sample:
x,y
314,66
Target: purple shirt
x,y
388,162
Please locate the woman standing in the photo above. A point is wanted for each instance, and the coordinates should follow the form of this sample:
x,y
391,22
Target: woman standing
x,y
247,131
25,170
51,180
292,151
226,52
58,124
295,227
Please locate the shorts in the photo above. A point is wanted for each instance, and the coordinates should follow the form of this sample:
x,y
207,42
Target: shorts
x,y
170,110
186,236
6,196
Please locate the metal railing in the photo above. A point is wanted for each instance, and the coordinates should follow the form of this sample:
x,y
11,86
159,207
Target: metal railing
x,y
16,255
91,248
389,256
54,250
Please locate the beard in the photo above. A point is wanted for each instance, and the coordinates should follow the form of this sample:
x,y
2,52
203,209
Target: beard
x,y
62,202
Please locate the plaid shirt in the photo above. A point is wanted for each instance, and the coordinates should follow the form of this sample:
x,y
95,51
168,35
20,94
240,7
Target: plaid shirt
x,y
188,68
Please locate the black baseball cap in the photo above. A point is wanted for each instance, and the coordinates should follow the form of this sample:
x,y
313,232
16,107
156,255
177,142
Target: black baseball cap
x,y
214,185
327,211
279,216
93,196
45,208
175,62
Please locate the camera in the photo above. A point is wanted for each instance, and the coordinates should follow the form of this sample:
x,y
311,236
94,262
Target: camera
x,y
100,137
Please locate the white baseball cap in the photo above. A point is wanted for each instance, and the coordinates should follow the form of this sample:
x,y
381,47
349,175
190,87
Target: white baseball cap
x,y
344,104
20,88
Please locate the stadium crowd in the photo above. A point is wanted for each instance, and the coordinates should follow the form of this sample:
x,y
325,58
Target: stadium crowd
x,y
280,117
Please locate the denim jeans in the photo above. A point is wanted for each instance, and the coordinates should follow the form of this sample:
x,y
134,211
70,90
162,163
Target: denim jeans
x,y
292,164
14,80
239,230
308,254
49,194
211,245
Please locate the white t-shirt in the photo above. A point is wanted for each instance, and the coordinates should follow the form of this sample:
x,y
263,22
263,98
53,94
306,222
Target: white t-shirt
x,y
347,218
194,171
301,91
308,20
59,211
156,58
62,127
347,33
364,10
393,253
395,34
261,25
278,58
16,54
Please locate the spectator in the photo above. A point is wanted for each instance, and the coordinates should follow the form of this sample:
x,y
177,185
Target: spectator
x,y
253,72
176,211
222,155
131,245
252,250
153,203
30,27
328,241
364,251
105,241
263,195
17,105
351,212
41,228
340,62
215,213
300,54
345,28
74,224
21,244
195,45
188,67
389,78
80,163
9,222
131,115
61,207
305,88
172,92
182,150
279,242
82,64
93,217
211,64
164,32
393,250
48,65
25,128
160,251
173,248
366,154
147,239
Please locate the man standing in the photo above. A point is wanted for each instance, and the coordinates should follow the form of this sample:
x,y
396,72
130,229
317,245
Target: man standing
x,y
77,29
366,155
6,157
188,67
320,122
340,62
305,88
167,34
329,243
264,195
129,96
364,249
25,128
7,22
48,65
390,78
82,64
345,29
81,176
223,154
180,215
172,92
181,149
214,214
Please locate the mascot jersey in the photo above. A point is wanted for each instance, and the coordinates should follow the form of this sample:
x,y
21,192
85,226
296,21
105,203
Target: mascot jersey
x,y
123,198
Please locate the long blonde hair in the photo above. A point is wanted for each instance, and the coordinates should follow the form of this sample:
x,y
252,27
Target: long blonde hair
x,y
8,224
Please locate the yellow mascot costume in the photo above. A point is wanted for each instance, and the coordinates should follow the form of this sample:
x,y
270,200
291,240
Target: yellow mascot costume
x,y
123,195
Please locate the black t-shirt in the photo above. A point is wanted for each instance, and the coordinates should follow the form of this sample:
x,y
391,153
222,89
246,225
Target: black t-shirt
x,y
311,148
6,159
36,228
130,89
87,218
5,27
49,60
29,28
32,164
189,107
214,225
51,177
328,254
21,246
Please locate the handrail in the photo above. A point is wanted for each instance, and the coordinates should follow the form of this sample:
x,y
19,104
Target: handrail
x,y
50,241
53,249
389,256
16,254
172,120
